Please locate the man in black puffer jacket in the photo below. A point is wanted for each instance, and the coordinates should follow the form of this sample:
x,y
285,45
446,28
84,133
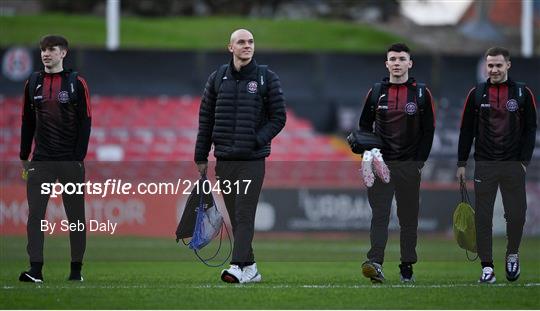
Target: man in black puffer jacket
x,y
242,109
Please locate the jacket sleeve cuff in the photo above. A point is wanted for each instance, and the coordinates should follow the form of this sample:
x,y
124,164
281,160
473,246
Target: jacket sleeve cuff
x,y
462,163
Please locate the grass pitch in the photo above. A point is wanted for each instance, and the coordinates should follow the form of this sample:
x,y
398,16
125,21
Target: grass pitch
x,y
143,273
194,33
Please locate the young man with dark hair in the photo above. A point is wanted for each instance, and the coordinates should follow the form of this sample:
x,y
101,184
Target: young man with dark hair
x,y
242,110
400,111
500,117
57,117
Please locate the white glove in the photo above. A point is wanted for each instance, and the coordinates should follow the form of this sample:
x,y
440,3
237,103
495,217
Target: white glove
x,y
367,171
381,169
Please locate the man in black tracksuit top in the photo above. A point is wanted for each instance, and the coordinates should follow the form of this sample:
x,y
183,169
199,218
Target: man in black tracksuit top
x,y
500,117
56,115
241,124
406,127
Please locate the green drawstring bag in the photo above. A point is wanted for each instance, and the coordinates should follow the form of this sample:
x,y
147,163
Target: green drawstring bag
x,y
464,225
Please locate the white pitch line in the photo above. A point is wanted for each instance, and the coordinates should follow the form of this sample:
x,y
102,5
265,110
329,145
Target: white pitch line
x,y
376,286
264,286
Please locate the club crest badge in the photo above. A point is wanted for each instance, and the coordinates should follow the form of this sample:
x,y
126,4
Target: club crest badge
x,y
17,64
512,105
410,108
63,97
252,87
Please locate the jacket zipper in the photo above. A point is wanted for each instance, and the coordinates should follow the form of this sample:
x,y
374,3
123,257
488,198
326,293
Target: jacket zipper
x,y
235,113
397,98
498,97
50,86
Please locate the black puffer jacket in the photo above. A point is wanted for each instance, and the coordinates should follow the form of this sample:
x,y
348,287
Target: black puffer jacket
x,y
235,120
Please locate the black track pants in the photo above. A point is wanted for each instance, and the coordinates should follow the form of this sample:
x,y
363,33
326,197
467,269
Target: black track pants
x,y
242,205
405,184
50,172
510,178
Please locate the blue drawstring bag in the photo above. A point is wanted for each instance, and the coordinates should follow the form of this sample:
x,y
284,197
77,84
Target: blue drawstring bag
x,y
208,224
202,221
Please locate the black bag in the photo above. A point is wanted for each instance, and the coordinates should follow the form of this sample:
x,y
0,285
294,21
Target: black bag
x,y
360,141
187,222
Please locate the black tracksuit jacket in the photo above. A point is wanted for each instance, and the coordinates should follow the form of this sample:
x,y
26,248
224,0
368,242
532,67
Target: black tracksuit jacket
x,y
60,127
504,131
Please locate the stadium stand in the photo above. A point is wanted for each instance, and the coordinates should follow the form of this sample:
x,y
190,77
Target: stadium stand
x,y
146,135
152,138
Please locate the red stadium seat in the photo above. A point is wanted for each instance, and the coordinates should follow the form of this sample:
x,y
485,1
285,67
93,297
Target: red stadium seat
x,y
164,129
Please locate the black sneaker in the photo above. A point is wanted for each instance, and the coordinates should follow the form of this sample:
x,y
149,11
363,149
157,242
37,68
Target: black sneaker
x,y
406,273
512,267
373,271
75,276
27,276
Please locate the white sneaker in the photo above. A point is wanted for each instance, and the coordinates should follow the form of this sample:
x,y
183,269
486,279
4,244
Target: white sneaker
x,y
250,274
367,171
232,275
488,276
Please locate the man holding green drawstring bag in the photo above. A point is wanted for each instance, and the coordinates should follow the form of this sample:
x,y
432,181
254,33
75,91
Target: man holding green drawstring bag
x,y
464,227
